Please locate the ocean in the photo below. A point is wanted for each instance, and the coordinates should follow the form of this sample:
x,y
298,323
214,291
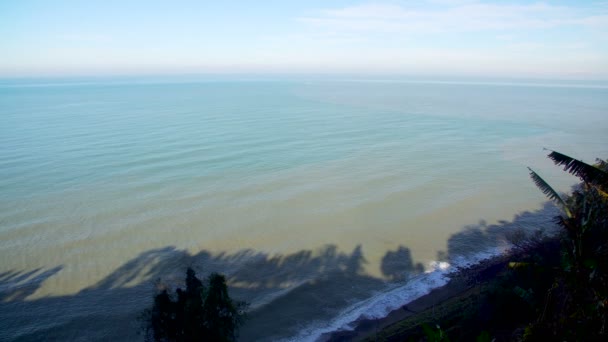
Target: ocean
x,y
321,199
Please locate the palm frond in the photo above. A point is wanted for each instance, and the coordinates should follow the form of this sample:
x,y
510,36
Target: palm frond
x,y
588,173
601,164
549,191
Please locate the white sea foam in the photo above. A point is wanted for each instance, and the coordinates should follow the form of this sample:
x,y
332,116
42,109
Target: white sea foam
x,y
381,304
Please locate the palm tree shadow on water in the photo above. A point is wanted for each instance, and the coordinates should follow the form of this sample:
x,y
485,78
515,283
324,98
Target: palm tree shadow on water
x,y
286,292
475,237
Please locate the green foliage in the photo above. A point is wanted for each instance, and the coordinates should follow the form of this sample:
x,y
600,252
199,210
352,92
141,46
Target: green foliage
x,y
590,174
527,295
549,191
555,288
575,304
484,336
198,313
434,334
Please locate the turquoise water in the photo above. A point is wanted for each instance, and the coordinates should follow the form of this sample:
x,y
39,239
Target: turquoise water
x,y
109,184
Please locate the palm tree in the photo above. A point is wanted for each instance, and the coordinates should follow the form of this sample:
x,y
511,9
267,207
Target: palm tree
x,y
585,209
585,239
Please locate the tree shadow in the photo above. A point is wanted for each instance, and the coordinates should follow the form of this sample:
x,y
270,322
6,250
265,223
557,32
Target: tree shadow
x,y
17,286
399,264
482,236
286,291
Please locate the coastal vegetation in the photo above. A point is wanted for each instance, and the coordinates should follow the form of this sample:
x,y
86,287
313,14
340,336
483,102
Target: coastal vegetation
x,y
553,287
576,304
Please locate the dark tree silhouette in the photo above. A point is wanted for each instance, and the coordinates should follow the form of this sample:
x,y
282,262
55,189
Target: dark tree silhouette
x,y
579,296
197,314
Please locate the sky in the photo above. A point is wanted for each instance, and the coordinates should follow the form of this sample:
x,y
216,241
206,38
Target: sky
x,y
551,39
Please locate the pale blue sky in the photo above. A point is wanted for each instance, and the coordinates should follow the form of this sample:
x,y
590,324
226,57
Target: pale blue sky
x,y
552,39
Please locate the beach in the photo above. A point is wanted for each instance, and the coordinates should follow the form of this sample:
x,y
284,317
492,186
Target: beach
x,y
428,308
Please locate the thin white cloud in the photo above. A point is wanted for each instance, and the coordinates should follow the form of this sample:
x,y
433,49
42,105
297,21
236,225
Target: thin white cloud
x,y
493,38
594,21
458,17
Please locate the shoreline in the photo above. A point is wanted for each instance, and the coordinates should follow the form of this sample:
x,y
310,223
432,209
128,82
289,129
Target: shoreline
x,y
462,281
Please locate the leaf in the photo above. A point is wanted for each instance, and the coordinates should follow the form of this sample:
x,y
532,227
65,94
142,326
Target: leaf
x,y
484,336
516,264
527,295
590,263
549,191
429,332
588,173
601,164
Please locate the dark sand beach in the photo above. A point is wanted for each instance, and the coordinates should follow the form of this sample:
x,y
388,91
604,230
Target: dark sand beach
x,y
464,284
